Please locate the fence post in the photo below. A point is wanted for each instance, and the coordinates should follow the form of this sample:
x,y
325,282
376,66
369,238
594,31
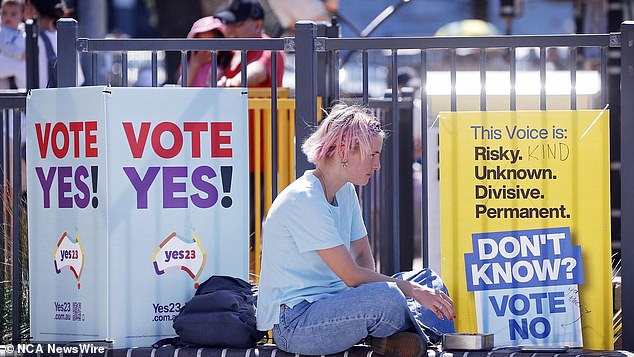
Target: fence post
x,y
32,54
17,280
305,89
67,60
325,62
332,31
627,177
322,67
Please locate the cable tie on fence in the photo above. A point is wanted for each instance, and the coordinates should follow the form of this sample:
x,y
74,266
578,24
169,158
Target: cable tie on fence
x,y
594,121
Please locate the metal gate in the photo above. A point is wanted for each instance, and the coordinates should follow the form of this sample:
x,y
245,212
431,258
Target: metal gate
x,y
316,76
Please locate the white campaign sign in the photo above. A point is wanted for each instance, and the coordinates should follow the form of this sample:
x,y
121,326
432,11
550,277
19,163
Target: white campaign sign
x,y
140,194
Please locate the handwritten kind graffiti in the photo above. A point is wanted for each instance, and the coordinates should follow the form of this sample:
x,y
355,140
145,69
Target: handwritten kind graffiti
x,y
525,279
77,185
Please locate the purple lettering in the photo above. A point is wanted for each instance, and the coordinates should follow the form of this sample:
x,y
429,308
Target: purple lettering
x,y
64,172
46,182
205,186
83,197
170,187
141,185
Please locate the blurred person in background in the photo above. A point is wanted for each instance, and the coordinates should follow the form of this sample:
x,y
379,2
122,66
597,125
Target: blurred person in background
x,y
199,62
288,12
12,46
245,19
174,18
47,12
131,17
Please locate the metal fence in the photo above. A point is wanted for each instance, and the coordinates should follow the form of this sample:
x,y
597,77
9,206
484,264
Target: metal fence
x,y
316,76
308,43
13,105
627,177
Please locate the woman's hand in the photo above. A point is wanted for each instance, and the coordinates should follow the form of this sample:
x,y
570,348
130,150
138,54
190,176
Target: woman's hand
x,y
434,300
229,82
341,262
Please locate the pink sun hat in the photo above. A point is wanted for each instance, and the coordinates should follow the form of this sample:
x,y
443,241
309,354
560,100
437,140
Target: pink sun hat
x,y
205,24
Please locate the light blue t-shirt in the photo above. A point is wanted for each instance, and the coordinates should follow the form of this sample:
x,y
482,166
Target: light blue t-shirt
x,y
300,222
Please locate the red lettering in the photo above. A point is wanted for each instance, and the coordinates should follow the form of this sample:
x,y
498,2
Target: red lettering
x,y
219,132
71,131
137,144
217,139
60,152
42,140
167,153
76,127
91,139
195,129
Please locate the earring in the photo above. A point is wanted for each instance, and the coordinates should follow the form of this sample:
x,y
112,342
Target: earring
x,y
344,163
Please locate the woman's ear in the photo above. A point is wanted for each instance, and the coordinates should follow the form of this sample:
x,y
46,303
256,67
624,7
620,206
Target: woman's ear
x,y
259,25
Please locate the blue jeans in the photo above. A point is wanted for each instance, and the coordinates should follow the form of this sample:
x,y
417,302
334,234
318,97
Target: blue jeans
x,y
336,323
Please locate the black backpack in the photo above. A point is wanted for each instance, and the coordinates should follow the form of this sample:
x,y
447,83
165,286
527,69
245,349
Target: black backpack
x,y
220,314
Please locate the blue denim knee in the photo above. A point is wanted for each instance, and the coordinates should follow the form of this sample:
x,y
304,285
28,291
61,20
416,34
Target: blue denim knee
x,y
336,323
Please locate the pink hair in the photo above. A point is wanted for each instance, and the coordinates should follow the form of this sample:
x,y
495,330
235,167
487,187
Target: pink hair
x,y
349,126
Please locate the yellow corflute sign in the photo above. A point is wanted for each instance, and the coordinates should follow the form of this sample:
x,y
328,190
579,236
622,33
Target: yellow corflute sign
x,y
525,223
